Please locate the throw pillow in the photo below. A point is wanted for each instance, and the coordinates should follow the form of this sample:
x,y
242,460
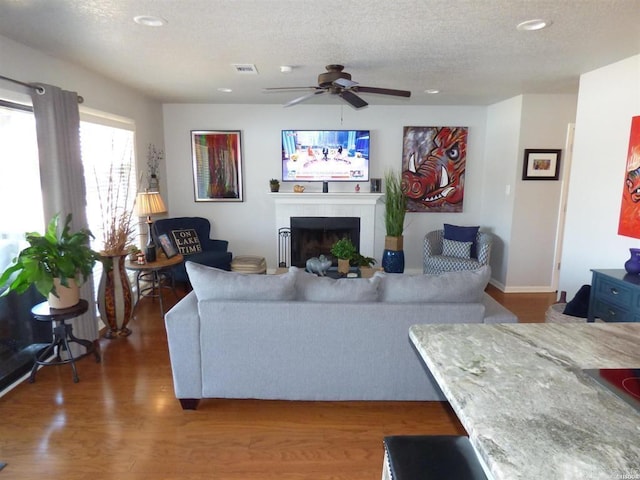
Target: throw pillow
x,y
187,241
451,248
462,234
465,286
312,288
213,284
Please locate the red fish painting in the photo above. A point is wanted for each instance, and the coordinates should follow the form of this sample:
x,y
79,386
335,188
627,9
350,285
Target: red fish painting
x,y
629,224
433,168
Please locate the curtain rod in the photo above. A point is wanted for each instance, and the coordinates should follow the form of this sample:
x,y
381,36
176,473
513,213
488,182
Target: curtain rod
x,y
40,90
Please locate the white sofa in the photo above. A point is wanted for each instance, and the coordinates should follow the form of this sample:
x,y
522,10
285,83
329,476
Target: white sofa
x,y
296,336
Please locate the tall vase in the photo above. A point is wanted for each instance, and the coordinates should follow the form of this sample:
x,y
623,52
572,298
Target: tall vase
x,y
633,264
114,296
393,255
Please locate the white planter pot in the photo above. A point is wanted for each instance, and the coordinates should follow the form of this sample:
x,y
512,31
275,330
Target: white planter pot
x,y
67,296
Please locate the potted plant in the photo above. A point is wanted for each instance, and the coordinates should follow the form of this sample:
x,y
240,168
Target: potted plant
x,y
344,250
274,183
57,263
359,260
395,209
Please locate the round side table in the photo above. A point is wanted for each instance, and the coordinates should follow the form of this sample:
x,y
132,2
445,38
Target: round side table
x,y
62,337
155,272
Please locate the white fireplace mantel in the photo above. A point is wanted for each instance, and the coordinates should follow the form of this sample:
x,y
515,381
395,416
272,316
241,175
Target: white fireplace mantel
x,y
327,198
316,204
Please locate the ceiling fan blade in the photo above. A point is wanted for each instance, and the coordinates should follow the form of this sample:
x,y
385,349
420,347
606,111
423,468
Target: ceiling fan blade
x,y
343,82
281,89
295,101
354,100
384,91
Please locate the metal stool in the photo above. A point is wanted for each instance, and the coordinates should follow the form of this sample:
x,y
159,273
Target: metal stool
x,y
62,337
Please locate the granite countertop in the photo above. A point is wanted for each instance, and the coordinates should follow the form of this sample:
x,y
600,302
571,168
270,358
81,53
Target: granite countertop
x,y
530,411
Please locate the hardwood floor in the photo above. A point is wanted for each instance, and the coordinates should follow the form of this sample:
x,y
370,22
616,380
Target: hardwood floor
x,y
122,421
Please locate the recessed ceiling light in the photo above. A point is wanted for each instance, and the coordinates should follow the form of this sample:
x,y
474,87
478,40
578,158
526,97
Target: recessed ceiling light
x,y
225,90
149,20
432,91
286,68
532,25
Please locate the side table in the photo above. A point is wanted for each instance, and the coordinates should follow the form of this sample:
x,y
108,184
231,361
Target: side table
x,y
62,337
154,273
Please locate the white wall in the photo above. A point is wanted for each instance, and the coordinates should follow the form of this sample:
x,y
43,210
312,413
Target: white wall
x,y
249,226
100,94
503,139
544,123
608,98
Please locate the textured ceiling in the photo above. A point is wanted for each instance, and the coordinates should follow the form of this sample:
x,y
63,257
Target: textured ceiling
x,y
468,49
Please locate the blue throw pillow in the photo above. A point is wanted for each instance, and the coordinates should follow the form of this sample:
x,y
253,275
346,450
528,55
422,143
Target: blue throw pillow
x,y
462,234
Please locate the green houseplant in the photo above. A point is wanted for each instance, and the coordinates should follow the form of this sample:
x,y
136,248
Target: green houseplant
x,y
344,250
395,209
274,184
56,262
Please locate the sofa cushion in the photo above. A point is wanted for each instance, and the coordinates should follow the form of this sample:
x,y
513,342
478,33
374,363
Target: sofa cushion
x,y
462,287
311,288
213,284
451,248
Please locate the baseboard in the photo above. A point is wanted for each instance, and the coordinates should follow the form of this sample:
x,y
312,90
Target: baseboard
x,y
521,289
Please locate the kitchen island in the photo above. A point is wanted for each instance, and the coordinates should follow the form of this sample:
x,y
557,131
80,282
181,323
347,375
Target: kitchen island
x,y
529,408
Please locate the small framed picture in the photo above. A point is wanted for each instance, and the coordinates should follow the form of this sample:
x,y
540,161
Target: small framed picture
x,y
167,247
541,164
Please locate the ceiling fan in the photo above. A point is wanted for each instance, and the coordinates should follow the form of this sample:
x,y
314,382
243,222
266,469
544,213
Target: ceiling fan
x,y
337,82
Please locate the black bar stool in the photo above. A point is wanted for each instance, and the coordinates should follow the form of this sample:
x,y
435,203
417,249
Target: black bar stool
x,y
430,457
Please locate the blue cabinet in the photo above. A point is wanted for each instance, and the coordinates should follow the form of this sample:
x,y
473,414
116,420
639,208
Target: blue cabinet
x,y
615,296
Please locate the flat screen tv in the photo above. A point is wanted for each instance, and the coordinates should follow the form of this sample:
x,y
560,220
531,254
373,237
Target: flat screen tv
x,y
325,155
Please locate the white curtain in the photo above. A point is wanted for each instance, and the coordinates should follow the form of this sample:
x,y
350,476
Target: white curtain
x,y
62,178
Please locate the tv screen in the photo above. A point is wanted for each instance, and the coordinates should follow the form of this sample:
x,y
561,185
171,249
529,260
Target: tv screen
x,y
325,155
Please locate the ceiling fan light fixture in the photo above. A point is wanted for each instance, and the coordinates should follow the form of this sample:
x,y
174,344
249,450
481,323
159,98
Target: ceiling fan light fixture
x,y
149,20
533,25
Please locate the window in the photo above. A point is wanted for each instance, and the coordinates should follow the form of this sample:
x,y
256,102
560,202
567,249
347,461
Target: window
x,y
110,173
20,182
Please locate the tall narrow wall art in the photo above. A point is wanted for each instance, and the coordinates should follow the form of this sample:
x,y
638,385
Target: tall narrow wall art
x,y
629,224
217,166
433,168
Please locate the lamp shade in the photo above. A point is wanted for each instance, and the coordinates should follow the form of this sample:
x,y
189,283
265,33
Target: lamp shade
x,y
149,203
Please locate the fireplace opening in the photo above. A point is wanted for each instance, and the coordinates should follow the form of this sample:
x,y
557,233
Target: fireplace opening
x,y
314,236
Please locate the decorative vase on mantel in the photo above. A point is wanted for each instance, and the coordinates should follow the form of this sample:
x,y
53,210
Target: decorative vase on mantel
x,y
632,265
114,296
393,254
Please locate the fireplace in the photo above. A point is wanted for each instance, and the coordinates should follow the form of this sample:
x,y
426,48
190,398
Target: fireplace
x,y
314,236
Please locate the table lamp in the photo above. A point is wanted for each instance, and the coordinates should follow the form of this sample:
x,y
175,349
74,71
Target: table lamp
x,y
147,204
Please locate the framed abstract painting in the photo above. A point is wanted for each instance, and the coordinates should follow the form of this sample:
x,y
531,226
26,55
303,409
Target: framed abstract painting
x,y
434,162
629,224
217,165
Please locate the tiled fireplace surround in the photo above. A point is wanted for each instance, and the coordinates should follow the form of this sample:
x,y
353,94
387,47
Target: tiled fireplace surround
x,y
361,205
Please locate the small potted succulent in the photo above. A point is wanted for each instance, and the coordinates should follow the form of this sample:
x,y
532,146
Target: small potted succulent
x,y
344,250
274,183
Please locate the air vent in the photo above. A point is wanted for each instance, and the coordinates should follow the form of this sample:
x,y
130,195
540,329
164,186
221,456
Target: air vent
x,y
245,68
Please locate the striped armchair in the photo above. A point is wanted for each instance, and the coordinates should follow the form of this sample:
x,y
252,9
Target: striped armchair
x,y
436,262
